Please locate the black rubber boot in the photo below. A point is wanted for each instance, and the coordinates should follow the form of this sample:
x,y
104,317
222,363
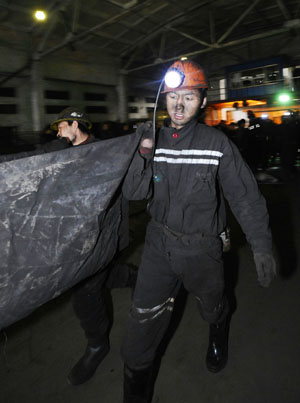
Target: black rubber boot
x,y
88,363
217,352
137,385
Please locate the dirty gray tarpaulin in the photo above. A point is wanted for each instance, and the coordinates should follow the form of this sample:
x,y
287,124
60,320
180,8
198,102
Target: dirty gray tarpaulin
x,y
59,217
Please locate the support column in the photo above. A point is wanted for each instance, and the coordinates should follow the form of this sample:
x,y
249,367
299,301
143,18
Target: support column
x,y
37,96
122,97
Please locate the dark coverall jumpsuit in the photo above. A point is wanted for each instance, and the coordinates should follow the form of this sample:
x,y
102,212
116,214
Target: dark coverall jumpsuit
x,y
192,168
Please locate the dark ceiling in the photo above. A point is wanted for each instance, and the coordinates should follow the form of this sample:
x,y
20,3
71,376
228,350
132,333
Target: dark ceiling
x,y
149,34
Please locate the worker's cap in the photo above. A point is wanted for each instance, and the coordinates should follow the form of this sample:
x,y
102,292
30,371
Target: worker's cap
x,y
71,114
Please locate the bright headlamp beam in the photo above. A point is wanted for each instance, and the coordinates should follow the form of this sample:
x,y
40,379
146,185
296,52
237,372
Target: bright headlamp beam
x,y
174,78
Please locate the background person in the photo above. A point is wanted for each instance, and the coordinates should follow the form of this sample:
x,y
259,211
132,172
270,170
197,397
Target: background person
x,y
89,304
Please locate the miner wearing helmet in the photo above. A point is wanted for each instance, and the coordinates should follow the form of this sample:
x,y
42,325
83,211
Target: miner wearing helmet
x,y
73,128
185,175
73,125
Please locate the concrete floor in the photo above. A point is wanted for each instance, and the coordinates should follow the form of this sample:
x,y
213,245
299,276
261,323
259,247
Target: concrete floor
x,y
37,352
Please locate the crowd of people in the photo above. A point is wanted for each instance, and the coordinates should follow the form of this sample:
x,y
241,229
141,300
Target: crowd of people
x,y
265,144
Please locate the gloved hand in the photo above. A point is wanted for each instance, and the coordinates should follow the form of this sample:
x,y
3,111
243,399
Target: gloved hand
x,y
146,143
265,267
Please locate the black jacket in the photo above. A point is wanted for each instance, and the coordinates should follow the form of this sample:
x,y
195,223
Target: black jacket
x,y
192,168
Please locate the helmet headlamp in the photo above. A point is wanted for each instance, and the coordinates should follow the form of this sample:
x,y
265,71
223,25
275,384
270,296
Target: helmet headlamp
x,y
174,78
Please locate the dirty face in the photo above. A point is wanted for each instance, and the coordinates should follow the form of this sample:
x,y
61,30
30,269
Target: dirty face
x,y
182,106
64,130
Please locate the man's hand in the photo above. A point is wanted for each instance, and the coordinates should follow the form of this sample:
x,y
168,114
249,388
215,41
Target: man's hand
x,y
265,267
146,143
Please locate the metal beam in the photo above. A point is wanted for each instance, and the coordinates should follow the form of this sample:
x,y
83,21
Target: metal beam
x,y
15,73
76,38
238,57
238,21
225,45
24,10
143,41
118,38
14,27
175,19
13,7
131,58
153,49
184,50
132,25
217,48
53,6
145,17
125,6
192,38
261,15
284,9
47,33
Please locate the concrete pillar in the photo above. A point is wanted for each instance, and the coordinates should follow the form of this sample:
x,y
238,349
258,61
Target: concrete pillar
x,y
37,95
122,98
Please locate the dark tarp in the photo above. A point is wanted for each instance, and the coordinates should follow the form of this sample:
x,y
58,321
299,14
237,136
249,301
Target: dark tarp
x,y
59,218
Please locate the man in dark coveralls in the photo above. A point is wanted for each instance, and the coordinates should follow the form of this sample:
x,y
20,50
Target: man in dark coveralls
x,y
73,128
185,175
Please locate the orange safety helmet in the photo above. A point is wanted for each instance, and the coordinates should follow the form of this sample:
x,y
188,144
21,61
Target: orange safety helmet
x,y
192,76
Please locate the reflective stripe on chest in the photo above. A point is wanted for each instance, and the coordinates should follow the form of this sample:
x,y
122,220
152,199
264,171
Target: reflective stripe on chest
x,y
170,156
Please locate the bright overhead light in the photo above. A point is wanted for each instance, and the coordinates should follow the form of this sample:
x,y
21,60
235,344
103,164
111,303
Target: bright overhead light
x,y
183,58
40,15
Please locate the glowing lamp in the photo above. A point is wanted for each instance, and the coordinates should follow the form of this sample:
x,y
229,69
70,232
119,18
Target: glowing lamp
x,y
284,98
174,78
40,15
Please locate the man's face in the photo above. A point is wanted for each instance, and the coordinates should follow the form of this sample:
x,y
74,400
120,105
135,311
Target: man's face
x,y
64,130
182,106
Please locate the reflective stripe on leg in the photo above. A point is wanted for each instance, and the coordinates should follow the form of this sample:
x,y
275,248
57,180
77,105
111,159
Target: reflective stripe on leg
x,y
143,315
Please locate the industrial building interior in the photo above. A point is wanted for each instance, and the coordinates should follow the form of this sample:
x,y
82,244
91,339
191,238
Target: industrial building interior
x,y
109,57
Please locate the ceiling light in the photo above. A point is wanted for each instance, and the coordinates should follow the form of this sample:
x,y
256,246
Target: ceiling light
x,y
40,15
